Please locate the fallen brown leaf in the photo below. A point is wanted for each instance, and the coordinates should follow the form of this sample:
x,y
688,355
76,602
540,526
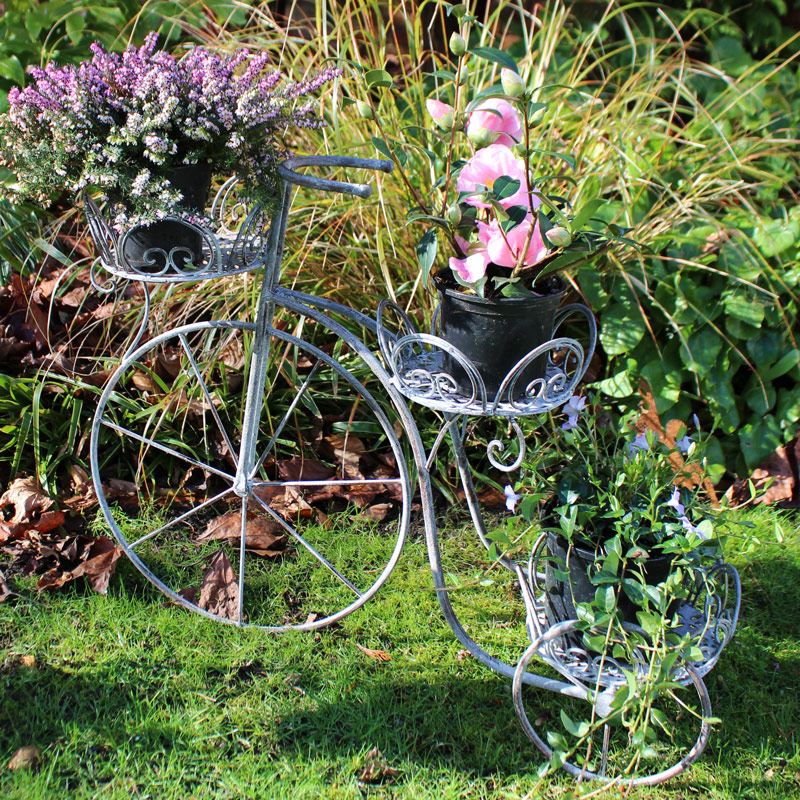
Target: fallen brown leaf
x,y
219,589
304,469
28,660
378,655
262,535
5,591
346,451
378,511
649,420
778,468
77,556
25,507
376,769
27,757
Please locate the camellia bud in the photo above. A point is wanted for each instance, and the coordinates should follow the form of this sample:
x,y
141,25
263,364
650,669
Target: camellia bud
x,y
365,109
558,237
481,137
513,85
458,45
519,150
453,215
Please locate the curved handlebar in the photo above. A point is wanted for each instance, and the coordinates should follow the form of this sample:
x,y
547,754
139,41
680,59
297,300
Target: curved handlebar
x,y
286,170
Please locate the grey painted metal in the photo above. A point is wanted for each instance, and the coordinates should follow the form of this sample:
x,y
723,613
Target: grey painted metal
x,y
243,240
419,362
110,396
540,644
708,617
287,171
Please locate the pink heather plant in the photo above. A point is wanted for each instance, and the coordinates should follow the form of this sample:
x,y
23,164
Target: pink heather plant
x,y
117,121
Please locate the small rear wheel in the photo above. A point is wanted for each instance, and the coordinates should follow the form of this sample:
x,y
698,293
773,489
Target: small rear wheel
x,y
631,729
325,513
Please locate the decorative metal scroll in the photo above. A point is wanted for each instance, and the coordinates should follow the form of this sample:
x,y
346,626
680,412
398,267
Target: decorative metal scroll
x,y
707,618
235,241
423,364
496,448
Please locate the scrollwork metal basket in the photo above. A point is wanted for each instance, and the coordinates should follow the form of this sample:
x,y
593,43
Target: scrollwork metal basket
x,y
234,241
421,365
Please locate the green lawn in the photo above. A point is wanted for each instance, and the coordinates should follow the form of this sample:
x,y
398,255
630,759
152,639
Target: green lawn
x,y
131,697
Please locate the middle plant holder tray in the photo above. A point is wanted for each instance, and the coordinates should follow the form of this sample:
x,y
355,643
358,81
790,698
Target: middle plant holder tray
x,y
422,366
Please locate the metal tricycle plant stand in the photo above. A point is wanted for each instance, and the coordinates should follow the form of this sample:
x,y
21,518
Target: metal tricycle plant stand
x,y
221,434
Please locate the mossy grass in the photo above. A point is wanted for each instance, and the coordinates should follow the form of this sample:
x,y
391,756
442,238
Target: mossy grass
x,y
130,696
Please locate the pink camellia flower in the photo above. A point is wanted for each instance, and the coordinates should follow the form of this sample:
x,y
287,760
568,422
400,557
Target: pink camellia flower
x,y
485,167
473,267
505,249
441,113
499,117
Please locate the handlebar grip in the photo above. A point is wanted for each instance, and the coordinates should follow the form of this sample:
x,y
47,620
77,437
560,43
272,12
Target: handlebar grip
x,y
286,170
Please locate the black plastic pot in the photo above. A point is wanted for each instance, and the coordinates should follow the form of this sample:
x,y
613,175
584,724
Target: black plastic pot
x,y
180,243
579,562
494,334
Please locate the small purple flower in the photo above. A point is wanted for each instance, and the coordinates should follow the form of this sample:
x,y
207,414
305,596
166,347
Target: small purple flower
x,y
684,444
572,408
675,502
684,520
511,498
639,443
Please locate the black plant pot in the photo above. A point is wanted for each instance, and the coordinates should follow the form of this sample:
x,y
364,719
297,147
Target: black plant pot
x,y
562,596
153,248
494,334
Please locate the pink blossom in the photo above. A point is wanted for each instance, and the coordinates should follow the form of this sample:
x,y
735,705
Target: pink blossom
x,y
485,167
439,111
505,249
498,116
473,267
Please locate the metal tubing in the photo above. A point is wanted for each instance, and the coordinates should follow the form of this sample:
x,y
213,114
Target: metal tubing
x,y
287,172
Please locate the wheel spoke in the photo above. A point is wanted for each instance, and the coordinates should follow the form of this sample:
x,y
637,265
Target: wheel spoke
x,y
182,517
152,443
285,419
336,482
604,756
207,396
295,535
242,545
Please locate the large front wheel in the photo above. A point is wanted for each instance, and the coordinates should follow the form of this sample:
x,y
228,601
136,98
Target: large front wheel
x,y
319,522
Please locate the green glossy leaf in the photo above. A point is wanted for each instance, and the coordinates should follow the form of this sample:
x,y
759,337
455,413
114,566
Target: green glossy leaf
x,y
759,440
621,327
496,56
618,385
426,252
585,213
783,365
11,68
704,348
377,78
505,187
745,308
75,25
759,395
381,146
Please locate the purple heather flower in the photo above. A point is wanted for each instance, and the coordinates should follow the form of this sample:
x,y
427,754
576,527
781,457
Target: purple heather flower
x,y
511,498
